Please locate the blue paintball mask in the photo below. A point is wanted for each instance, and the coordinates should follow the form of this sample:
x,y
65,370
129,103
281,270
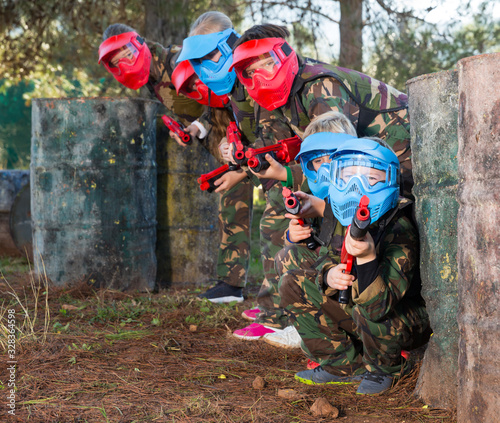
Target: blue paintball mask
x,y
215,75
363,167
318,145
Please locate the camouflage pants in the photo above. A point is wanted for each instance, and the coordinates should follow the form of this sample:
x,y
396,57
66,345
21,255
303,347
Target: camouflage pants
x,y
235,214
394,128
345,341
273,226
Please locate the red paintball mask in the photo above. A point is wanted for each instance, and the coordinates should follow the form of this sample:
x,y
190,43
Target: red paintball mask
x,y
127,58
267,68
187,82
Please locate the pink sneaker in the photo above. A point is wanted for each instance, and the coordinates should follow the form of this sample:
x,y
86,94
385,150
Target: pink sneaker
x,y
250,315
252,332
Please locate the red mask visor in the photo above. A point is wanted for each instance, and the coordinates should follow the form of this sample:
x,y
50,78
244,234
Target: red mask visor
x,y
127,58
187,82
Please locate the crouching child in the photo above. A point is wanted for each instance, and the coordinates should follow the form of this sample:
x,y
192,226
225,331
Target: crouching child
x,y
363,340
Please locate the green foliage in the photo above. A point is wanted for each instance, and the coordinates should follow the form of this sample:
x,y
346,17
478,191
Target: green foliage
x,y
418,48
15,129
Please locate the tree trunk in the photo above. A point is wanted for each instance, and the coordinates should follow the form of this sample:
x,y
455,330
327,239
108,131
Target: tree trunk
x,y
166,21
351,27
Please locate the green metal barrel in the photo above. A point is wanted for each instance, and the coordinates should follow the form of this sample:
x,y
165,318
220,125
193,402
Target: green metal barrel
x,y
433,107
93,191
479,239
188,232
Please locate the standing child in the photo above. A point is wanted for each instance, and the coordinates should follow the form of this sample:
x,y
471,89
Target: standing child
x,y
135,62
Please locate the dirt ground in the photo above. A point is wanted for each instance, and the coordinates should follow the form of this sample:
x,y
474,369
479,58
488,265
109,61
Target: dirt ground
x,y
105,356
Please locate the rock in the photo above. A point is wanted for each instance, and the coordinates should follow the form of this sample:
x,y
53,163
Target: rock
x,y
259,383
193,328
69,307
288,394
322,407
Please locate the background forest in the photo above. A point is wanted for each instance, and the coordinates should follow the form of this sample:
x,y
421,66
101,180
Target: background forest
x,y
48,48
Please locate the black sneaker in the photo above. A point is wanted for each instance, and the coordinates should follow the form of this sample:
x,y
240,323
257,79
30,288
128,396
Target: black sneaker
x,y
375,383
223,293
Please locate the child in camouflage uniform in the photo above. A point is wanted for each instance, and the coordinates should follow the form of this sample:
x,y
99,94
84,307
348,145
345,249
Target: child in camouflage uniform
x,y
235,204
321,138
208,48
363,340
294,90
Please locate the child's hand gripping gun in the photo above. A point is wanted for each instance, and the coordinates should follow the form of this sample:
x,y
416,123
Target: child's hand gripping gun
x,y
358,230
292,206
206,181
177,128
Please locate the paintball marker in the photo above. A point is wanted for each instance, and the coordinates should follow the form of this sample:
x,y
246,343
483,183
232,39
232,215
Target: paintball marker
x,y
207,180
359,228
234,137
292,206
284,151
177,128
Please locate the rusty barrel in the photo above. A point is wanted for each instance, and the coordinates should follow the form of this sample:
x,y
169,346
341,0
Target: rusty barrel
x,y
188,233
11,182
93,191
433,107
479,239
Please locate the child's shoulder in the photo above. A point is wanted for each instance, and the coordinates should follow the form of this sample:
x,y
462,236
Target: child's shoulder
x,y
400,222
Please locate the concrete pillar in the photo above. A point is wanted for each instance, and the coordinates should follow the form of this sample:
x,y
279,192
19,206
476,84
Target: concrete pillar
x,y
479,239
433,108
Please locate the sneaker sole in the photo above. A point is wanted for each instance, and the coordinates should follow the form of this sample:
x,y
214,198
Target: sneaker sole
x,y
250,319
310,382
274,343
248,338
222,299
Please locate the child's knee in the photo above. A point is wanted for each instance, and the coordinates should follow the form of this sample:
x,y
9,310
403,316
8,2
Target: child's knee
x,y
289,289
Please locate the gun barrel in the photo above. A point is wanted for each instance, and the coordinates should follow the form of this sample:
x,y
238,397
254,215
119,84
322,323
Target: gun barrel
x,y
358,229
361,220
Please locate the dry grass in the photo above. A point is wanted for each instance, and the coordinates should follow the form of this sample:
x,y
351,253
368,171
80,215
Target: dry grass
x,y
107,356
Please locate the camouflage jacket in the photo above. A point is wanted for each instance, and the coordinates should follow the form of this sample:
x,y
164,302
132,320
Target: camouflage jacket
x,y
397,246
321,87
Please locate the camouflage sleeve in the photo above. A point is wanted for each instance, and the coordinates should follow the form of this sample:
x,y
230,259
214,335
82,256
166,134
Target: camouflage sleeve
x,y
299,181
398,258
326,94
179,107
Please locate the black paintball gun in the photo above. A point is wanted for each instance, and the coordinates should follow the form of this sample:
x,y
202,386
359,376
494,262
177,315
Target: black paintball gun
x,y
292,206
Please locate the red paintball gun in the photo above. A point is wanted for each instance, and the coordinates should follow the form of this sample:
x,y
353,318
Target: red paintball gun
x,y
234,137
177,128
292,206
206,181
359,228
284,151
